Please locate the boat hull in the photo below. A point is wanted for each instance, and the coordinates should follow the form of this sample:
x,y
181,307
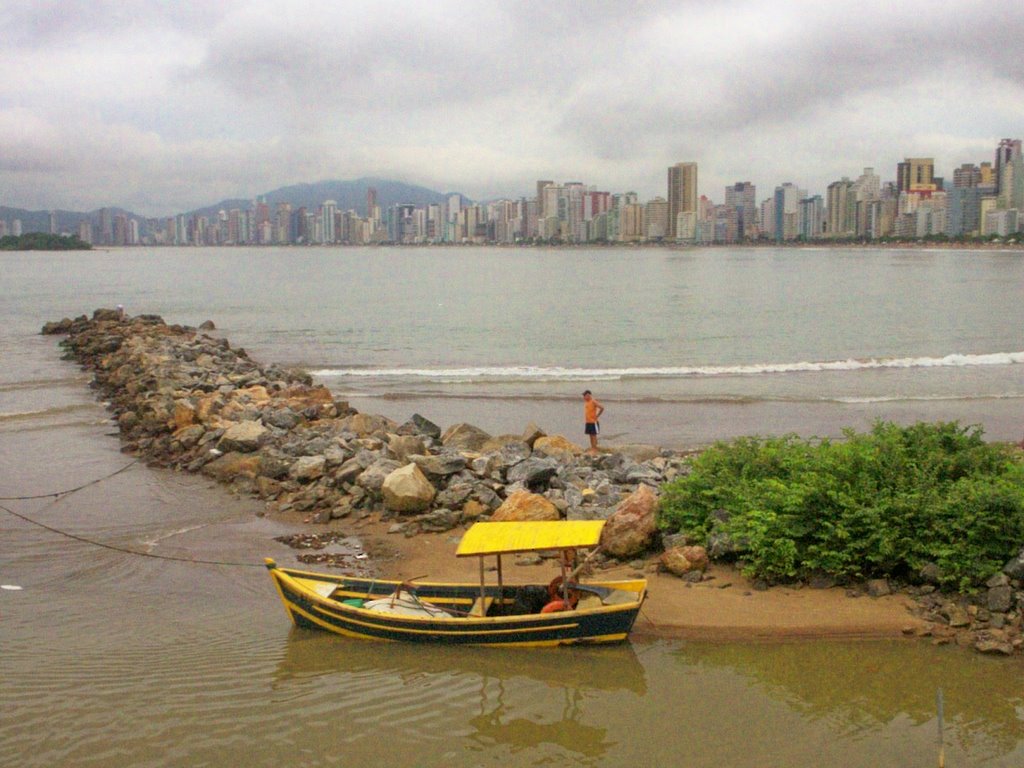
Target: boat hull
x,y
316,601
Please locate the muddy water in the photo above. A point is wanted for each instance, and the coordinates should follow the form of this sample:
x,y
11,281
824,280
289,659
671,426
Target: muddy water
x,y
108,659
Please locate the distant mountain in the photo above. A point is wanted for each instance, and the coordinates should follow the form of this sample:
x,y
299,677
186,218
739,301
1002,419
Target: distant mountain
x,y
67,221
347,194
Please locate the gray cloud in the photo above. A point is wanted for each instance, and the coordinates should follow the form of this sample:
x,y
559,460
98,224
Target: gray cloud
x,y
162,107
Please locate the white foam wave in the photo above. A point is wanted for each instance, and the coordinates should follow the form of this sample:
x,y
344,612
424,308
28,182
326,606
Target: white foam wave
x,y
558,373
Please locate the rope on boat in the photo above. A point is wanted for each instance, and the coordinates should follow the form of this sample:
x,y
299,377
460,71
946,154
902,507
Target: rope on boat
x,y
56,495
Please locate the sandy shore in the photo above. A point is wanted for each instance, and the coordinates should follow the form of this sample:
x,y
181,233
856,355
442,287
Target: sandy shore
x,y
724,607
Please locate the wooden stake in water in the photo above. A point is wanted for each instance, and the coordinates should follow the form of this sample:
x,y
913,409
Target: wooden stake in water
x,y
942,741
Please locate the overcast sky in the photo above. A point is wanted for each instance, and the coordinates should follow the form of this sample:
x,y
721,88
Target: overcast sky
x,y
161,107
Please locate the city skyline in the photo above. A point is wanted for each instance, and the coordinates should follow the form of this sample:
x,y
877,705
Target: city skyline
x,y
982,200
161,108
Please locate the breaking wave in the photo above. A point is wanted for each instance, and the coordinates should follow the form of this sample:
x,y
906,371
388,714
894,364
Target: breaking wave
x,y
558,373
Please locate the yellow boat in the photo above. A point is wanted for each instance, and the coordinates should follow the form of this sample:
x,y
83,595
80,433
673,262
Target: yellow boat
x,y
563,611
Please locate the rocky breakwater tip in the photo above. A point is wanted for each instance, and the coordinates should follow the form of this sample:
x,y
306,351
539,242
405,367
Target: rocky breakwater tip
x,y
187,400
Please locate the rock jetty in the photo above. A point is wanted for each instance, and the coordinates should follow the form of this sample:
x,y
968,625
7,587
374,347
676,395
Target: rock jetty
x,y
185,399
188,400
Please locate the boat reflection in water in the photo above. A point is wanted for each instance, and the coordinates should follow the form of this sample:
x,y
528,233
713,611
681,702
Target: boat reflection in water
x,y
509,700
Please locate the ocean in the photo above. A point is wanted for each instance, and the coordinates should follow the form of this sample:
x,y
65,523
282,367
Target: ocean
x,y
683,347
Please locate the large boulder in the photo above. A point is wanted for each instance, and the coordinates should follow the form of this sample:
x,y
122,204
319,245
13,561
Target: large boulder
x,y
557,447
631,528
523,505
465,437
243,437
407,489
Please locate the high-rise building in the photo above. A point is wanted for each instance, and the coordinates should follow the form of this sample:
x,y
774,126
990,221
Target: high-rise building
x,y
741,199
787,211
1009,170
656,215
371,203
682,193
842,209
915,171
541,184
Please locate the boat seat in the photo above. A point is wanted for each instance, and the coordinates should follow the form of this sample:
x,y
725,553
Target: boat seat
x,y
480,606
589,601
324,588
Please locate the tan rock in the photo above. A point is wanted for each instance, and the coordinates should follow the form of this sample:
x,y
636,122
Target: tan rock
x,y
523,505
464,436
232,465
494,444
404,446
472,509
364,424
681,560
532,433
630,530
407,489
184,414
556,447
244,436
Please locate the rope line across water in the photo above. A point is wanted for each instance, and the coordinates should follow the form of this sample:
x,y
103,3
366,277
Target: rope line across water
x,y
93,542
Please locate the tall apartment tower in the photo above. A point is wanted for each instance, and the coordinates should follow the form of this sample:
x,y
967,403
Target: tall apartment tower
x,y
1009,170
915,171
371,202
682,193
741,198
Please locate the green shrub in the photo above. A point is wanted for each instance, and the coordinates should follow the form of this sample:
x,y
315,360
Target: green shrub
x,y
882,503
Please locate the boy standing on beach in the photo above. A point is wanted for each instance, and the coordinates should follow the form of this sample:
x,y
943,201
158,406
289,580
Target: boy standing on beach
x,y
592,411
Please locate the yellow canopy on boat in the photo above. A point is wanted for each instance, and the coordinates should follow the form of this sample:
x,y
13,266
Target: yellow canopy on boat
x,y
504,538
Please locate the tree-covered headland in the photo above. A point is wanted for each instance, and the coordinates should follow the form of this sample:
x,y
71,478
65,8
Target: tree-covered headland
x,y
41,241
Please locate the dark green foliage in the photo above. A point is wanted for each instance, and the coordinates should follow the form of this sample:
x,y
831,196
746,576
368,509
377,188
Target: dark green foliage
x,y
883,503
40,241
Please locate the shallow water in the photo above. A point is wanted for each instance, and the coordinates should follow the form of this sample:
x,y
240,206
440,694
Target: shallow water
x,y
116,660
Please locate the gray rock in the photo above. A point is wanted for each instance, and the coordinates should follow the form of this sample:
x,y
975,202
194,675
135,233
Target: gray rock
x,y
349,471
308,468
1015,567
440,465
425,426
878,587
821,581
533,473
930,573
282,418
372,478
999,599
440,520
998,580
